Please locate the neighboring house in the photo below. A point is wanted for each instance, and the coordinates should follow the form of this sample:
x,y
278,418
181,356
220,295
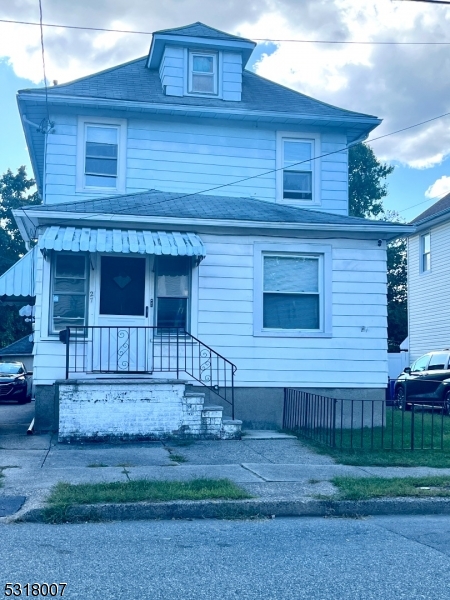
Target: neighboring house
x,y
195,226
428,278
21,350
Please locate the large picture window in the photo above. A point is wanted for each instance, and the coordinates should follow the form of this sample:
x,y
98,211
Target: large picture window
x,y
68,305
172,292
292,290
291,295
101,155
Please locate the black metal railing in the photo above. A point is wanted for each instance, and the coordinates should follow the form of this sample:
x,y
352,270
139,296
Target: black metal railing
x,y
367,424
132,350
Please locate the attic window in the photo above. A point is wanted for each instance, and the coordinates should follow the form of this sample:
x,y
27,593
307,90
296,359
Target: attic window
x,y
202,73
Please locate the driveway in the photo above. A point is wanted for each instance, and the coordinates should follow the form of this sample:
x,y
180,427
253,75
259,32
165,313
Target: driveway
x,y
15,418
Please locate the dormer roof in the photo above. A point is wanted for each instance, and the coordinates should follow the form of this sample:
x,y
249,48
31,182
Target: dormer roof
x,y
198,35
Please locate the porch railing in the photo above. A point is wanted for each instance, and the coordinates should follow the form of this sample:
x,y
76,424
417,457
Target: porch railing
x,y
145,350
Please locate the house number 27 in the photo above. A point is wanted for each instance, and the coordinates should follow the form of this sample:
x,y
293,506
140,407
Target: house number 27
x,y
91,296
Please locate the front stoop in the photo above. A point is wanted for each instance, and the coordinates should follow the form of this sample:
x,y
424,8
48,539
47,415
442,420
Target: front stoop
x,y
96,410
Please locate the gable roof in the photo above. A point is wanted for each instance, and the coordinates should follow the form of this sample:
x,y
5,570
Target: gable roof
x,y
155,203
134,82
439,208
22,346
199,29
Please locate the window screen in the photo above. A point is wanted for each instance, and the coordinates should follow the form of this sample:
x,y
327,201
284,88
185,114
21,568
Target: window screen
x,y
291,296
203,74
101,156
69,291
122,288
172,291
297,170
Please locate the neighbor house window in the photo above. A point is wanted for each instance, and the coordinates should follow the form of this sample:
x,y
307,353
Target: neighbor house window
x,y
297,169
202,73
101,154
69,290
172,292
292,290
425,252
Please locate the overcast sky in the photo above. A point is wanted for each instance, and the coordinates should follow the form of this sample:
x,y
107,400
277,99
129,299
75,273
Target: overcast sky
x,y
401,84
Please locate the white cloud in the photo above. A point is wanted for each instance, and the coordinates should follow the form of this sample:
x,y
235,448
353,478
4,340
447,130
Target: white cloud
x,y
439,188
401,84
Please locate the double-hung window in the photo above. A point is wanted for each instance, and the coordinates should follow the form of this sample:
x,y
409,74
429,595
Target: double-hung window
x,y
292,290
203,73
425,252
70,284
297,169
172,292
101,154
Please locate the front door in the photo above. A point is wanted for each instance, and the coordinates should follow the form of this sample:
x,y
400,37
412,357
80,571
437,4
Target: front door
x,y
123,342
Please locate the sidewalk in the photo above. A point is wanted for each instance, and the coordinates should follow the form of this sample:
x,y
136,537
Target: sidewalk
x,y
283,476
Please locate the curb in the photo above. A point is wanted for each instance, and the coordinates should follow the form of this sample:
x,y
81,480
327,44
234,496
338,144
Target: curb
x,y
235,509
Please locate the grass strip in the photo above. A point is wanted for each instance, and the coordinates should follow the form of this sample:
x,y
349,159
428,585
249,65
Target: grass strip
x,y
366,488
141,490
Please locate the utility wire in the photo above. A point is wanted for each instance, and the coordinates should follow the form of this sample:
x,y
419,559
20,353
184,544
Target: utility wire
x,y
299,41
426,1
43,59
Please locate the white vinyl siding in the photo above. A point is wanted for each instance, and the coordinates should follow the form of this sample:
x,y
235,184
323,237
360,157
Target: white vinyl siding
x,y
428,292
190,157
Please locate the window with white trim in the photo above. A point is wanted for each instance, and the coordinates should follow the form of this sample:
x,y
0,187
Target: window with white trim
x,y
298,171
292,290
203,73
101,155
172,292
425,252
69,291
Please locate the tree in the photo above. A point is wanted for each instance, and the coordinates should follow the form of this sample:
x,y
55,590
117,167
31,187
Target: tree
x,y
367,188
16,191
366,185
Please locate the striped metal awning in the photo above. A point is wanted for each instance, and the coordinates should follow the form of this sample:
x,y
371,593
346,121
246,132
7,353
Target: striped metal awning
x,y
124,241
18,280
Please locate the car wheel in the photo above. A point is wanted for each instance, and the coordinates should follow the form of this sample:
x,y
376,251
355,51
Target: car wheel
x,y
400,397
446,407
23,400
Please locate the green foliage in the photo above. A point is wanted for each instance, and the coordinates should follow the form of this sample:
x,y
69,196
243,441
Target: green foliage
x,y
16,191
366,175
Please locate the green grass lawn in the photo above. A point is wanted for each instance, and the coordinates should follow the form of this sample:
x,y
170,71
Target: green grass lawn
x,y
365,488
391,445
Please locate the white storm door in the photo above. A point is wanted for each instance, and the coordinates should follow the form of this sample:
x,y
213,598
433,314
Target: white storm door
x,y
122,341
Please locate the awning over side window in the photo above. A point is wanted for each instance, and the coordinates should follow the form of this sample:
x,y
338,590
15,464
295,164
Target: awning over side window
x,y
18,280
124,241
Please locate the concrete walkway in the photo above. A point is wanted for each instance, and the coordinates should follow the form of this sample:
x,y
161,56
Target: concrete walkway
x,y
272,467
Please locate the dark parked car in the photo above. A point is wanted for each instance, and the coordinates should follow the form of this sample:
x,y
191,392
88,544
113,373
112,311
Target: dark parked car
x,y
426,382
15,382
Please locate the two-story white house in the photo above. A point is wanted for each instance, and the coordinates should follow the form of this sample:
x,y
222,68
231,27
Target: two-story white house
x,y
195,227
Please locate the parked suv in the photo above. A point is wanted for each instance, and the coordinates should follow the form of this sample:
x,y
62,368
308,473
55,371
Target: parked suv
x,y
426,382
15,382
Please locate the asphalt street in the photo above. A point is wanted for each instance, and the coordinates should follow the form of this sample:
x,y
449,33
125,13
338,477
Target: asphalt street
x,y
375,558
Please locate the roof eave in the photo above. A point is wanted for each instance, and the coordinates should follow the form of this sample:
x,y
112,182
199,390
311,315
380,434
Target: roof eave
x,y
432,220
27,132
41,218
363,120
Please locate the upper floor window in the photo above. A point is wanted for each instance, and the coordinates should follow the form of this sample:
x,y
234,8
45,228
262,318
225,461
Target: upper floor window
x,y
297,169
101,155
425,253
202,73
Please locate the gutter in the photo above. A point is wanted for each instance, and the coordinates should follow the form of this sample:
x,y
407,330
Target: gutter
x,y
440,217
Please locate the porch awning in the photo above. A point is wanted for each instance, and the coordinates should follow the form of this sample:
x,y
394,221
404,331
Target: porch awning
x,y
124,241
18,280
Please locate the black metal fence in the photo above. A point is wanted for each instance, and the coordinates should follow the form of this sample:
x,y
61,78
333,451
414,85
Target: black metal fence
x,y
366,424
145,350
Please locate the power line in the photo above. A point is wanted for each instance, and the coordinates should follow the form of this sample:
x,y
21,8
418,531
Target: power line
x,y
299,41
426,1
43,59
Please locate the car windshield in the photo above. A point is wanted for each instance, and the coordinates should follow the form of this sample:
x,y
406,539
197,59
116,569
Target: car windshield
x,y
10,368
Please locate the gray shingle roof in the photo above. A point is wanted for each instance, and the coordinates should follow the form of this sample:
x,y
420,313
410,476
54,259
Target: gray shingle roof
x,y
22,346
134,82
154,203
201,30
441,206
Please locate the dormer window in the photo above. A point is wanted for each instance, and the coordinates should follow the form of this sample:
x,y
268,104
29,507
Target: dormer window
x,y
203,73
